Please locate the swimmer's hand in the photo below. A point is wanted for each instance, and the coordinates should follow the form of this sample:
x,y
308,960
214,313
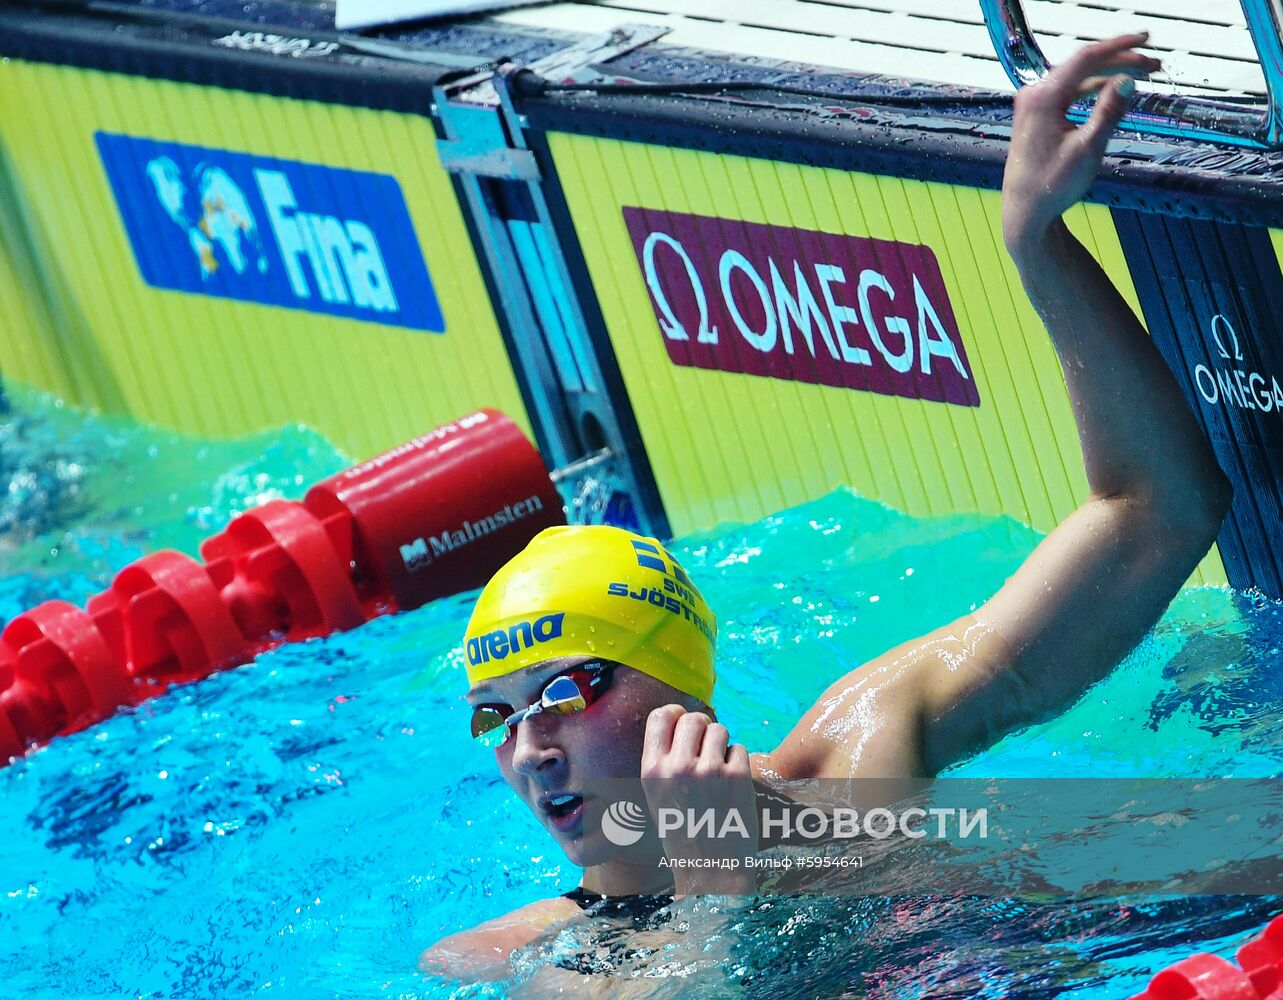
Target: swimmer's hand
x,y
1052,163
689,765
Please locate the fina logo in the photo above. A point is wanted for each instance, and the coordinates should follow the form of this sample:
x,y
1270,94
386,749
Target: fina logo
x,y
278,232
342,258
218,214
623,823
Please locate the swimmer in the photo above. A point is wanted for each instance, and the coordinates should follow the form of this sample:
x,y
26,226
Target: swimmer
x,y
591,653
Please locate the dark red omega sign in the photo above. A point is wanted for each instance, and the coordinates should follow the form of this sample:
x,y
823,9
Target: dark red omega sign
x,y
802,305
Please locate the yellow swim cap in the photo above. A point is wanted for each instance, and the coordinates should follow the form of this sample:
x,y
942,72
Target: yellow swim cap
x,y
595,591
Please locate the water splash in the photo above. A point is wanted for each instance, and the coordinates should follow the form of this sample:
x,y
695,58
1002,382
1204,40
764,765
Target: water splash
x,y
85,495
595,492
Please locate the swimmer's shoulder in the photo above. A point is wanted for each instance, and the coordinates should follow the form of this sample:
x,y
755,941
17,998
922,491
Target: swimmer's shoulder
x,y
483,951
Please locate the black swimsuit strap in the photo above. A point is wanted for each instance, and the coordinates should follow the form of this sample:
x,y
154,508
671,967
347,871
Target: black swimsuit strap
x,y
645,912
637,907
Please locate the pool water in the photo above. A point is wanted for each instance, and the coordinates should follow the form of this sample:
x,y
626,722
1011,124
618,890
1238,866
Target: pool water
x,y
305,825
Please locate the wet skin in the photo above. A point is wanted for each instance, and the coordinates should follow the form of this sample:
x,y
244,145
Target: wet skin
x,y
549,755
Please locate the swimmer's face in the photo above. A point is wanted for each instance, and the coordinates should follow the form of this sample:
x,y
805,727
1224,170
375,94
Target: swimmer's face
x,y
550,756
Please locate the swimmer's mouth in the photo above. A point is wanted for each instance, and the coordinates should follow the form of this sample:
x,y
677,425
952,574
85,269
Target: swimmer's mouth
x,y
560,806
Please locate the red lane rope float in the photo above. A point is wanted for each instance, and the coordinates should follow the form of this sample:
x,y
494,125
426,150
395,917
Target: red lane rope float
x,y
1258,975
280,572
432,517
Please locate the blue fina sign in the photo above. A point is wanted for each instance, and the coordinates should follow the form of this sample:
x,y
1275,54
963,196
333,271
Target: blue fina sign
x,y
279,232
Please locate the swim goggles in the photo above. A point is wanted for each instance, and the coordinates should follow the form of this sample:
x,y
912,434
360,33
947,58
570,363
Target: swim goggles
x,y
567,693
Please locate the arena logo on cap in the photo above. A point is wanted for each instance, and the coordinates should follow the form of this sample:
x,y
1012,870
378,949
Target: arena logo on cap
x,y
276,232
802,305
503,642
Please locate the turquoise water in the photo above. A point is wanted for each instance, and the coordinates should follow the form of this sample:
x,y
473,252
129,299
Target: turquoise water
x,y
303,826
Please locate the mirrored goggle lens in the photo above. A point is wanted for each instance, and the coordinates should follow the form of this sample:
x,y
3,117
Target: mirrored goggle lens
x,y
563,697
489,727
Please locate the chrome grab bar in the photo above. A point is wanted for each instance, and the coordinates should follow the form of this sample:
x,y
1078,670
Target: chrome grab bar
x,y
1164,114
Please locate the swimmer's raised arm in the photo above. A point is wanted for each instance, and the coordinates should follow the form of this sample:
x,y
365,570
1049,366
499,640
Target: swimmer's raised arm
x,y
1097,582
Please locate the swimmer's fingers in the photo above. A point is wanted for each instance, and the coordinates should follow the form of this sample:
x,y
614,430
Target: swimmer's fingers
x,y
658,741
673,740
688,739
1138,71
1104,58
720,756
712,754
1114,100
1051,164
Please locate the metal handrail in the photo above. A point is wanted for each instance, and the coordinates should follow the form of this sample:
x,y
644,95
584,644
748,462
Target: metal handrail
x,y
1164,114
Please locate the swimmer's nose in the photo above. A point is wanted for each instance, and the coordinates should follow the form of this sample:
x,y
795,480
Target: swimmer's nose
x,y
533,750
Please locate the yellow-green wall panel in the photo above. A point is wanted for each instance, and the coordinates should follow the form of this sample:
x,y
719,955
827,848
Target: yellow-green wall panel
x,y
727,446
216,366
